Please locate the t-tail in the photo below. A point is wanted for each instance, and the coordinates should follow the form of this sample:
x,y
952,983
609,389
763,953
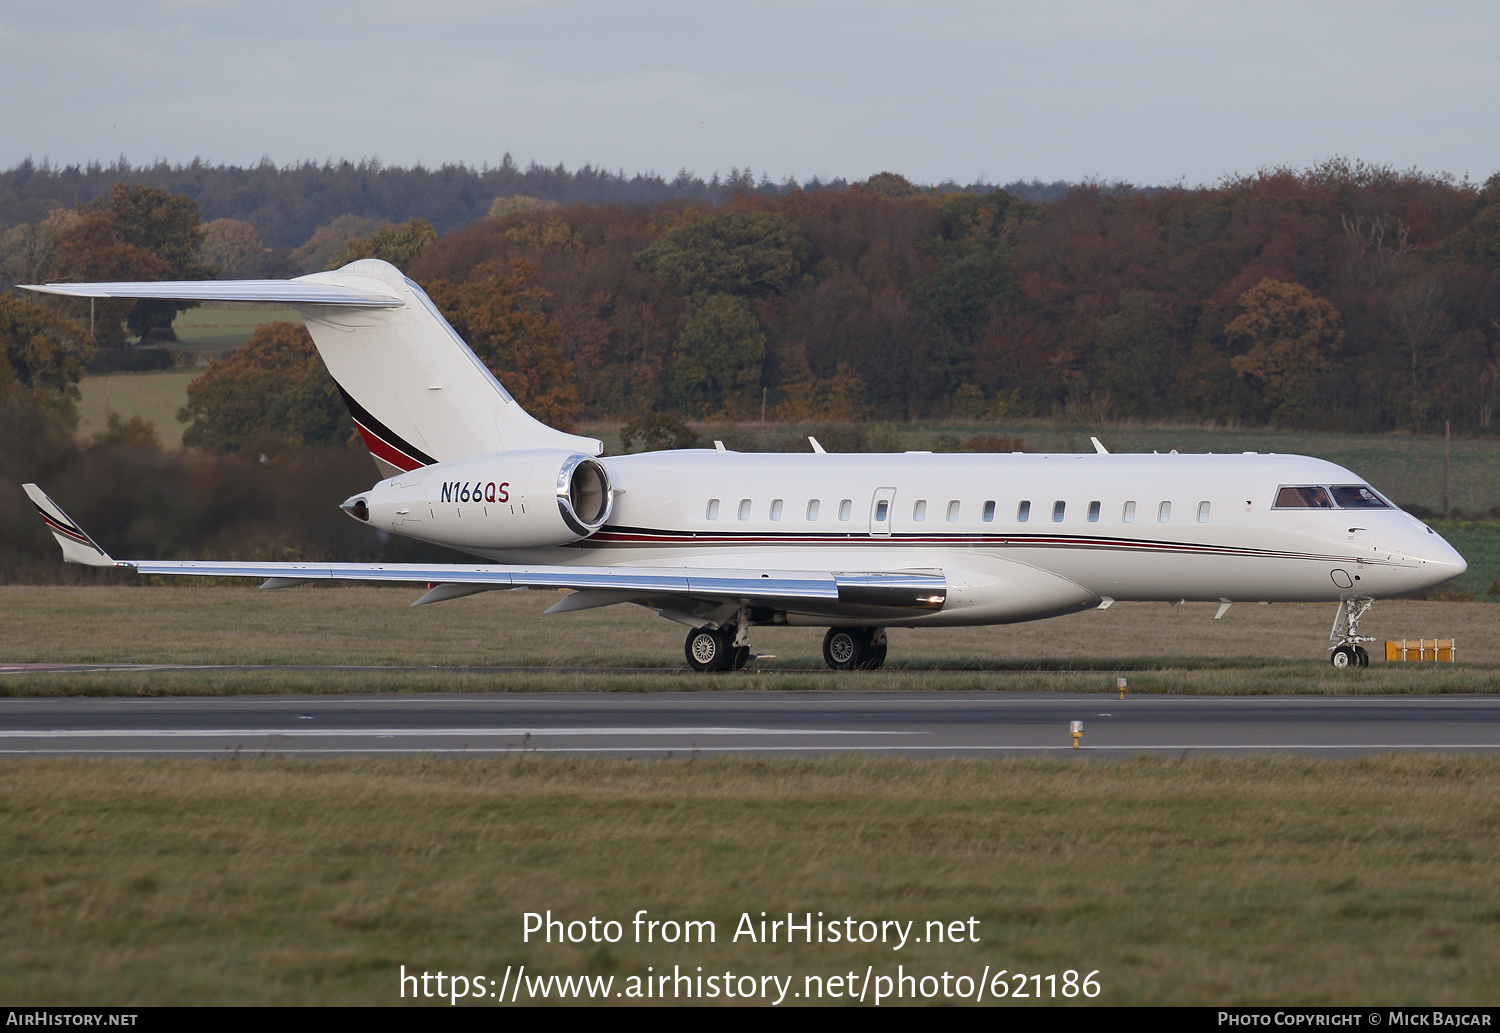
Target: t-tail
x,y
417,393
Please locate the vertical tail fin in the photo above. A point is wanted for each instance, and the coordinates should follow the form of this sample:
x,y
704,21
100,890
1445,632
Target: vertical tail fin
x,y
416,391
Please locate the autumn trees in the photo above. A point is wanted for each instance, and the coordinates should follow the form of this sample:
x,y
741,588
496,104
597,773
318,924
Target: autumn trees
x,y
270,394
1287,333
151,222
887,301
399,245
1338,296
130,233
719,263
498,310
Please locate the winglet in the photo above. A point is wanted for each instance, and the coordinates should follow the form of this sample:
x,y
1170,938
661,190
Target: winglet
x,y
1099,448
77,547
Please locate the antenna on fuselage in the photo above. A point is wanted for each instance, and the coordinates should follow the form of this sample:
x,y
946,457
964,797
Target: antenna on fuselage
x,y
1098,448
816,447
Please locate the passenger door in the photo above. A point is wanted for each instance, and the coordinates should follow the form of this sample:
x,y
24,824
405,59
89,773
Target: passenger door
x,y
882,508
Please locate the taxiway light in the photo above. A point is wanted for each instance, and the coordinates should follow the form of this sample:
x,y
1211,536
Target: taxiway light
x,y
1075,728
1120,682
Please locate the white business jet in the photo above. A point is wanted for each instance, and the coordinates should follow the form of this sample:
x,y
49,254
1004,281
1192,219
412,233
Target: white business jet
x,y
724,542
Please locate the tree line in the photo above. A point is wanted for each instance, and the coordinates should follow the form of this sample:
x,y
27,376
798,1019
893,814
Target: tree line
x,y
287,204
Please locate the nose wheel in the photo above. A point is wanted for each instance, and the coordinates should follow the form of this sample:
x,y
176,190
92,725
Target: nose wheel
x,y
854,649
1344,640
1350,656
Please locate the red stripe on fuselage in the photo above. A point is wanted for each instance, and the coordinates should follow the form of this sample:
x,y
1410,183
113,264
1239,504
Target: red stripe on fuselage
x,y
382,449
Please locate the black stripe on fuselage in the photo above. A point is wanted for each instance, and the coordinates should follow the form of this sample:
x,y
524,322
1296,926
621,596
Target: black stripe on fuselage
x,y
363,417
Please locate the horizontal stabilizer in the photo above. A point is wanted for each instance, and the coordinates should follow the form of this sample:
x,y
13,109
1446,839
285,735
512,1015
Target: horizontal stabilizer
x,y
278,292
417,392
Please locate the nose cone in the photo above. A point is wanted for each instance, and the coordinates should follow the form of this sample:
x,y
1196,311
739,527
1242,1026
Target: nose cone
x,y
357,507
1439,562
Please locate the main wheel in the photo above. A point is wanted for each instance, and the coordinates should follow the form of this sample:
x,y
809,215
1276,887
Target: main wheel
x,y
1362,656
708,650
1343,657
740,657
845,648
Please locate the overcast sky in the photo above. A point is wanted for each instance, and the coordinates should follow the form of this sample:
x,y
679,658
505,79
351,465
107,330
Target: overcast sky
x,y
1147,92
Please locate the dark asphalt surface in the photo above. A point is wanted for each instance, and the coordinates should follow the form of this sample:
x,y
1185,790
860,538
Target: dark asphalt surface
x,y
807,723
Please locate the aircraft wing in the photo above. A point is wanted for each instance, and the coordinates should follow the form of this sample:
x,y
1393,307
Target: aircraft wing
x,y
689,591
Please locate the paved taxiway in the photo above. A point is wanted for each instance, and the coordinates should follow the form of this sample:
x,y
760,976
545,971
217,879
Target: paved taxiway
x,y
809,723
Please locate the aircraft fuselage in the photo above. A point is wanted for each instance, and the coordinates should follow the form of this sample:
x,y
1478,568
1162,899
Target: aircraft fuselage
x,y
1018,536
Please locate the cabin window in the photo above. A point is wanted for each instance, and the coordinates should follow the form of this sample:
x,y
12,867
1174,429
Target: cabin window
x,y
846,507
744,509
812,509
712,512
919,510
1309,496
1058,508
1164,513
952,511
1094,512
1358,496
989,511
882,509
1023,511
1128,515
1203,512
775,509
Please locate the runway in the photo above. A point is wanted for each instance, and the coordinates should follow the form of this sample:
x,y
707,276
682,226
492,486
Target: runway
x,y
757,723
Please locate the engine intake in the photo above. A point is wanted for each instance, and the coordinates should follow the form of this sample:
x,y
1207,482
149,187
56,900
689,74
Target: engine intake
x,y
583,495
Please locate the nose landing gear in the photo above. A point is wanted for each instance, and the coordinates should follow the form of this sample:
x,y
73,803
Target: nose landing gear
x,y
1350,656
1344,640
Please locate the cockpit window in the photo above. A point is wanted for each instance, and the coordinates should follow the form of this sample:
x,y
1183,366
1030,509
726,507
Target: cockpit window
x,y
1358,496
1309,496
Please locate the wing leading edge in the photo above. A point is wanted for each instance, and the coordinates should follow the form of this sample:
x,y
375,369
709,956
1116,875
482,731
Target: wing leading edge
x,y
845,593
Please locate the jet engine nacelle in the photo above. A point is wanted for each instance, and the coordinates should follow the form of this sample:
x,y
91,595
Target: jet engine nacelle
x,y
506,500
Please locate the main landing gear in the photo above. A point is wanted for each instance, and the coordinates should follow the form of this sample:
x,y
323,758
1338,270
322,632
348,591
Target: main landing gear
x,y
710,649
854,649
1344,640
728,648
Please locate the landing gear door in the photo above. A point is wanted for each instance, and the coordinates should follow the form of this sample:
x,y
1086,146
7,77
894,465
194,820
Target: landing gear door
x,y
882,509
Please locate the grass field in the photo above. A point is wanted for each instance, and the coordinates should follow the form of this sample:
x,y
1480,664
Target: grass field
x,y
274,881
1478,541
1255,649
153,396
1206,881
220,326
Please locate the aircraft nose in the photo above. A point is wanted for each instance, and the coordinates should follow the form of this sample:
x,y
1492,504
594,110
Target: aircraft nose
x,y
1440,561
